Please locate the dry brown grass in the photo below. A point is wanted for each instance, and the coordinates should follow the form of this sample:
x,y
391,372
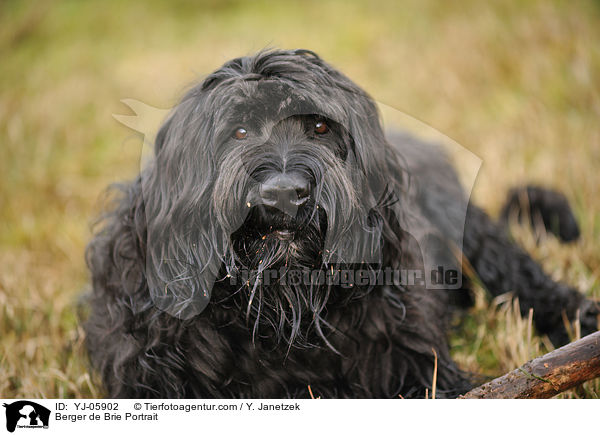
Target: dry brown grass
x,y
517,83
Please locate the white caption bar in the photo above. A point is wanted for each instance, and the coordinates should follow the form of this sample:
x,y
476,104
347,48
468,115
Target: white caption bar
x,y
45,416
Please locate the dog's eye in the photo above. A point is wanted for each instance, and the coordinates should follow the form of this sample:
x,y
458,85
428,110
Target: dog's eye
x,y
240,133
321,127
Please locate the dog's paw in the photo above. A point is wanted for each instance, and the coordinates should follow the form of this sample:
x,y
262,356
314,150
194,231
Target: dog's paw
x,y
589,316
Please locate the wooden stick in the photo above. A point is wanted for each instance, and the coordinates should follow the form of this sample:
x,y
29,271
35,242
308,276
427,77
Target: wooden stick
x,y
547,375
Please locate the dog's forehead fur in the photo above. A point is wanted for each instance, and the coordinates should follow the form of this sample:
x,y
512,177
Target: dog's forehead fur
x,y
272,100
274,85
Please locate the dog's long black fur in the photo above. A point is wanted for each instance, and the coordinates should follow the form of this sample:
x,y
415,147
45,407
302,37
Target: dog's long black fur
x,y
169,314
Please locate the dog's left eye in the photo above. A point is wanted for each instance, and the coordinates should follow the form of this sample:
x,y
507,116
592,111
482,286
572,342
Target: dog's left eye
x,y
240,133
321,127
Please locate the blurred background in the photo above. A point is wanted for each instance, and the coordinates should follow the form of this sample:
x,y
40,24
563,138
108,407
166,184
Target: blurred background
x,y
515,82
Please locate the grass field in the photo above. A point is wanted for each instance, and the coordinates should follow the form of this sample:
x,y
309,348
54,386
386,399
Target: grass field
x,y
516,82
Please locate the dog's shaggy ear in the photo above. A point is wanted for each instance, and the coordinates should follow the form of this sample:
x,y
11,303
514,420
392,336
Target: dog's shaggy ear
x,y
354,228
372,176
184,247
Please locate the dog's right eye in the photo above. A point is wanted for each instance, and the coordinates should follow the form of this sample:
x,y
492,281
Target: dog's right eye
x,y
240,133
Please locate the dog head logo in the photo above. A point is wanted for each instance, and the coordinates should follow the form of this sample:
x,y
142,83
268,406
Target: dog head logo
x,y
26,414
276,162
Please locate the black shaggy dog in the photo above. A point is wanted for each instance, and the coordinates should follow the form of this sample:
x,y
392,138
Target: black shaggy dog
x,y
217,272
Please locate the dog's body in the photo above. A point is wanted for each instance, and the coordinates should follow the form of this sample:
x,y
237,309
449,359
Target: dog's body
x,y
278,162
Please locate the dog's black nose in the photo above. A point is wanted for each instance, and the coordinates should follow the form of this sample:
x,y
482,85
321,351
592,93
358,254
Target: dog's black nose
x,y
286,192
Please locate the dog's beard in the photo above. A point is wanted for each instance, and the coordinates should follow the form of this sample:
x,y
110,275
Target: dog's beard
x,y
270,247
270,238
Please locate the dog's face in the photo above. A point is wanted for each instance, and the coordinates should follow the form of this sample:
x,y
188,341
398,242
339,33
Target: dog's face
x,y
286,160
273,162
291,176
